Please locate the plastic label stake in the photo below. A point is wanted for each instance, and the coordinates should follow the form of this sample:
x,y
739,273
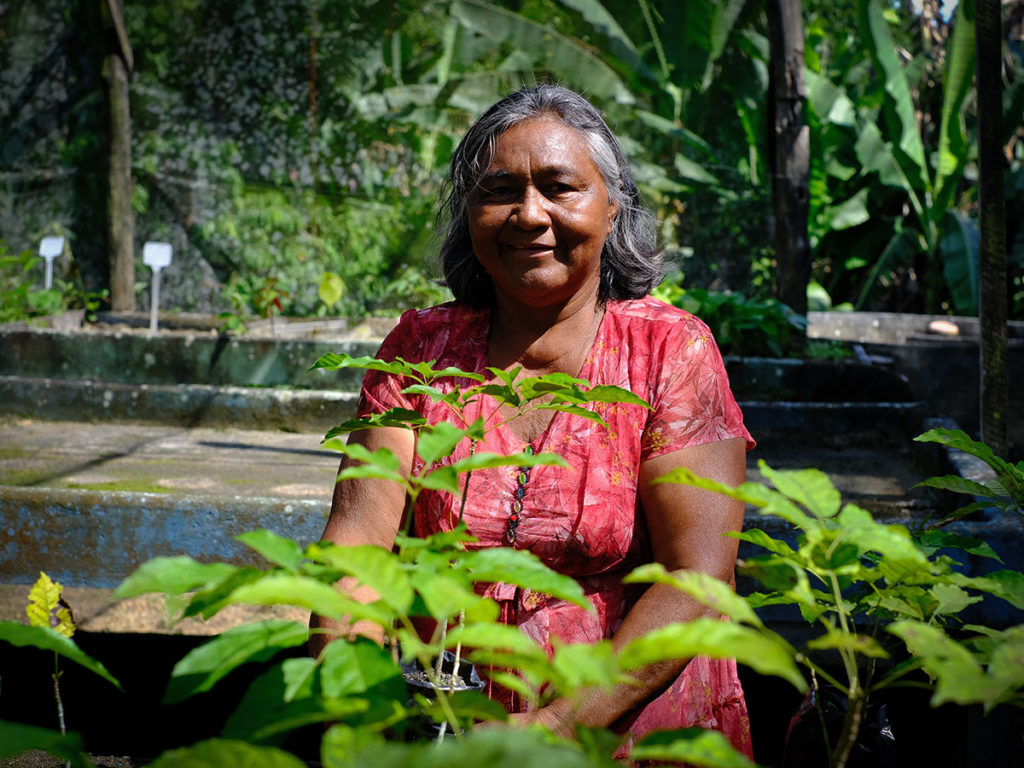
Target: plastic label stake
x,y
50,248
156,256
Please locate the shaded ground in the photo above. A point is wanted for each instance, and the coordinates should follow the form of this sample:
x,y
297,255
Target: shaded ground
x,y
39,759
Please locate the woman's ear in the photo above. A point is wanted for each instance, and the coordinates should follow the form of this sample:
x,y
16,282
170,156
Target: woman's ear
x,y
613,211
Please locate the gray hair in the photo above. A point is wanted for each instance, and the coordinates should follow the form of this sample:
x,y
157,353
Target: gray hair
x,y
631,264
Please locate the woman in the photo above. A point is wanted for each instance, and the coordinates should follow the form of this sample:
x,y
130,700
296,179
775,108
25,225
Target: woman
x,y
550,257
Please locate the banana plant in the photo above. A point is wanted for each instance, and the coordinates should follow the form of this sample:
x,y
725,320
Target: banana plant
x,y
890,157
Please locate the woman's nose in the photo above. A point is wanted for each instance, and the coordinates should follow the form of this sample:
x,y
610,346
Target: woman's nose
x,y
532,212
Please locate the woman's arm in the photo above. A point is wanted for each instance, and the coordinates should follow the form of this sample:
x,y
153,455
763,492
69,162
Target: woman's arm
x,y
364,511
687,527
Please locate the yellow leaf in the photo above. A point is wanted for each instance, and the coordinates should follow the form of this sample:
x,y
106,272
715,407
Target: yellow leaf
x,y
46,607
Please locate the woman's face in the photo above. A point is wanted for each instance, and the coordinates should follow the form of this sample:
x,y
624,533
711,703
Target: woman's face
x,y
540,215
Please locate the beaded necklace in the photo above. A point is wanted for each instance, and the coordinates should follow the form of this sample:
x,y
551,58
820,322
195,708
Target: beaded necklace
x,y
512,523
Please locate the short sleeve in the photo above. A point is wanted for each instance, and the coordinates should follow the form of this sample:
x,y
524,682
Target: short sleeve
x,y
691,399
383,391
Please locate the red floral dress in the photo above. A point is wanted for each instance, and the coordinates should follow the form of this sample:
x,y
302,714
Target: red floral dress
x,y
585,521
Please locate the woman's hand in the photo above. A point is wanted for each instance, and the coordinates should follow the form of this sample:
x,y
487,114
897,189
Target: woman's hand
x,y
556,717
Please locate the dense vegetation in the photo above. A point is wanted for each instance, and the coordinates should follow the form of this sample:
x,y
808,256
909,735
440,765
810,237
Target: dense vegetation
x,y
279,145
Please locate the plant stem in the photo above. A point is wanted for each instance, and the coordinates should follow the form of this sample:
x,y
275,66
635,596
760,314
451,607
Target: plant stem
x,y
851,725
458,646
60,703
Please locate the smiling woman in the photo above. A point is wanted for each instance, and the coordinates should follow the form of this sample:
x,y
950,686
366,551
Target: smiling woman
x,y
550,255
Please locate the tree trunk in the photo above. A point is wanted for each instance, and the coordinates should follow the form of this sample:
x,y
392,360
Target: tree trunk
x,y
120,217
789,150
992,256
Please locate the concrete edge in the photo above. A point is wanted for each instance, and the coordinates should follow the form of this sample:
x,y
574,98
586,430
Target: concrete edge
x,y
97,538
191,405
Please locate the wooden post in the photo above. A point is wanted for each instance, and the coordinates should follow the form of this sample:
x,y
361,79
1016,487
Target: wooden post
x,y
120,218
994,395
789,150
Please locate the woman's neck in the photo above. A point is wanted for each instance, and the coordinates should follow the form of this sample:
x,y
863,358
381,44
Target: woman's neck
x,y
547,340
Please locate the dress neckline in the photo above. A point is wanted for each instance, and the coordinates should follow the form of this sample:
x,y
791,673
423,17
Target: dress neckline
x,y
585,371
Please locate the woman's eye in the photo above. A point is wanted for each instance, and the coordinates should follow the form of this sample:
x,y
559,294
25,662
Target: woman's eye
x,y
494,193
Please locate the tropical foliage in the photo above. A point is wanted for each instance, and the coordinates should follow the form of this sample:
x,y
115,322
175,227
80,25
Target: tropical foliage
x,y
297,139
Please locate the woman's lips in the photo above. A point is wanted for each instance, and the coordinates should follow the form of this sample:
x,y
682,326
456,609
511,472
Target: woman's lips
x,y
537,249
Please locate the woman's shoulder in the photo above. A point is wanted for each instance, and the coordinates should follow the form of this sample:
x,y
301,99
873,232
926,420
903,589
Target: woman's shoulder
x,y
450,315
432,332
652,317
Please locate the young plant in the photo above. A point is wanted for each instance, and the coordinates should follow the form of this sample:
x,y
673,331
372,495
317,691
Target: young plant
x,y
50,628
1005,491
851,576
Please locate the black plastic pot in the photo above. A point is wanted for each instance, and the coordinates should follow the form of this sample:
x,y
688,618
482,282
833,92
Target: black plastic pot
x,y
464,678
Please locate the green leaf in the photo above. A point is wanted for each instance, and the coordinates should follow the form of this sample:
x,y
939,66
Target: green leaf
x,y
1011,476
780,575
16,738
765,653
860,644
277,549
495,637
212,597
218,753
438,440
264,710
884,52
341,743
372,566
850,213
357,667
547,49
47,609
1009,585
587,665
765,540
383,461
770,501
304,592
443,478
937,538
951,599
477,461
960,249
46,639
171,576
809,487
958,484
331,288
900,554
202,667
524,569
705,589
574,410
957,81
446,596
298,677
693,170
606,393
958,675
694,746
467,706
402,418
497,747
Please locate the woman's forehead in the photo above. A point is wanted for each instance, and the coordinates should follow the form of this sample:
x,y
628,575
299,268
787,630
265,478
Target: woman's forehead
x,y
543,142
